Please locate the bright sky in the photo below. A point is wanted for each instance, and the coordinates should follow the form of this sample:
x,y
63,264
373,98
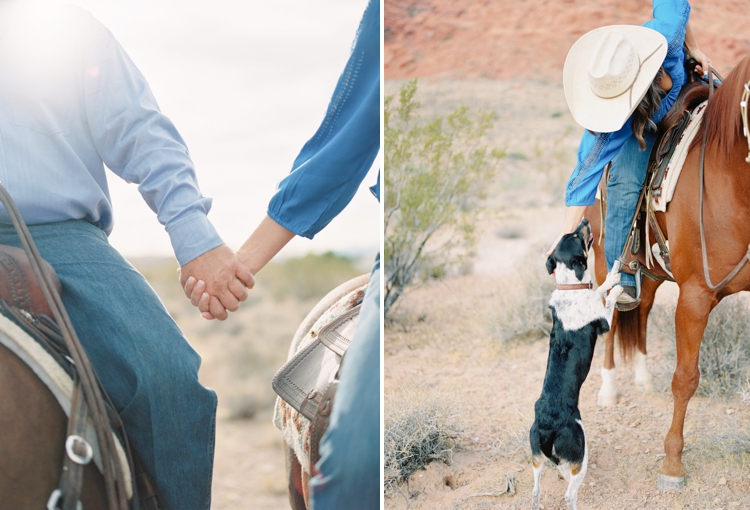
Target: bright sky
x,y
246,83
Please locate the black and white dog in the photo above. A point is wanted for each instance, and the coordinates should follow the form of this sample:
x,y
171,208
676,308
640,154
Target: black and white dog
x,y
579,317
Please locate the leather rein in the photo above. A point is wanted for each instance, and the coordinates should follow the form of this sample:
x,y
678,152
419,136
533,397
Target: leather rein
x,y
87,394
704,253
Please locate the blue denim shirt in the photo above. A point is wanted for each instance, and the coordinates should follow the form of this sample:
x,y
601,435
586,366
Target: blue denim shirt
x,y
596,150
332,164
72,101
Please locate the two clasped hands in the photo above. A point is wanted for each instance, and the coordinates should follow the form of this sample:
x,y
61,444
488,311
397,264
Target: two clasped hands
x,y
218,281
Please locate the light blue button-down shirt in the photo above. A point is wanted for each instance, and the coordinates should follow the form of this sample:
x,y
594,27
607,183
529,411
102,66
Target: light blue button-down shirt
x,y
596,150
72,101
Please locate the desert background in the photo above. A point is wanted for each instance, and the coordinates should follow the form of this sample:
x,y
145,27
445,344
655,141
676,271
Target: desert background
x,y
465,356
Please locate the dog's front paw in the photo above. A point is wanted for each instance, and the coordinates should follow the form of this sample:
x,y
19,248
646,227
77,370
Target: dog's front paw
x,y
613,278
613,295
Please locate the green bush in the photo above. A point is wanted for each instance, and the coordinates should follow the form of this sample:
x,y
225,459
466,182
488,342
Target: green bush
x,y
436,174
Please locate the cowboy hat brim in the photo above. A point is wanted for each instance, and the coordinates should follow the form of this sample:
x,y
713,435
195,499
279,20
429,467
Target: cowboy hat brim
x,y
608,115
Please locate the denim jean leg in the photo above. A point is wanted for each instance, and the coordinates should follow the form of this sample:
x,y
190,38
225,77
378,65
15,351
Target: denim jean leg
x,y
144,362
625,183
350,449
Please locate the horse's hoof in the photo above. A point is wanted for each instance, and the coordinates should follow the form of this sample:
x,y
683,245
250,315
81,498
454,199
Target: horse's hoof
x,y
669,483
646,387
606,400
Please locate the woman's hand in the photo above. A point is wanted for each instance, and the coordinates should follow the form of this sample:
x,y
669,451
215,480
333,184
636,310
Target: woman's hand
x,y
705,62
573,216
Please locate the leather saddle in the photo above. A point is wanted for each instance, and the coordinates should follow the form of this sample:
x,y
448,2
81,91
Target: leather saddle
x,y
637,256
309,379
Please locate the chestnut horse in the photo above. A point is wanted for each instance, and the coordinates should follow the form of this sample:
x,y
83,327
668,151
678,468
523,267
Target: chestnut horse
x,y
32,441
707,226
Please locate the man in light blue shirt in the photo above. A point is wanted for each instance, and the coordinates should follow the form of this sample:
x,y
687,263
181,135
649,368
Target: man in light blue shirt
x,y
72,101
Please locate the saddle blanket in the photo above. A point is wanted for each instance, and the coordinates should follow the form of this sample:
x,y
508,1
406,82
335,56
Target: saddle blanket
x,y
59,383
663,195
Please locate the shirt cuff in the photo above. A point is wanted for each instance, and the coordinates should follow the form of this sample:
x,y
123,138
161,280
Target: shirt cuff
x,y
192,237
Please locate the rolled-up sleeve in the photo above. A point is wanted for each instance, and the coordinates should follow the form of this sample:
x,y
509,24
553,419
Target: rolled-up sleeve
x,y
332,164
141,145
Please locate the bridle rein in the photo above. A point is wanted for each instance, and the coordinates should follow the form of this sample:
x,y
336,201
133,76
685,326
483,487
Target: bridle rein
x,y
745,121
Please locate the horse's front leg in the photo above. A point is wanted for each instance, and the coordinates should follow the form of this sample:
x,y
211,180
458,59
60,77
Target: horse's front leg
x,y
608,392
643,379
691,317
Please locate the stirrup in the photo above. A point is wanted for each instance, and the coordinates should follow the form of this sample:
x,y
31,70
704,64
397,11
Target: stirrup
x,y
626,307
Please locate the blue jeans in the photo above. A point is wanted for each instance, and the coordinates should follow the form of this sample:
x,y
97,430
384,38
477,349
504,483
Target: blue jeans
x,y
142,358
625,183
350,449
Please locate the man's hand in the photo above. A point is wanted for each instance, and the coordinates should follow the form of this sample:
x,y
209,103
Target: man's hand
x,y
221,276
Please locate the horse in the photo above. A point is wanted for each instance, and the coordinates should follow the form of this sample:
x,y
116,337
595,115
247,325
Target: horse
x,y
706,224
32,438
300,439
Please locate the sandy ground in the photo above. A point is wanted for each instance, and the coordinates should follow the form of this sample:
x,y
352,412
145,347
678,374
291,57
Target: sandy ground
x,y
442,340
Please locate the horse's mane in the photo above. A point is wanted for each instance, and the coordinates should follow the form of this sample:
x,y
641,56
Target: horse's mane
x,y
722,118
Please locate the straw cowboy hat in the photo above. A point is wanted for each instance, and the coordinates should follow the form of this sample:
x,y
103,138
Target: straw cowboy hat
x,y
607,73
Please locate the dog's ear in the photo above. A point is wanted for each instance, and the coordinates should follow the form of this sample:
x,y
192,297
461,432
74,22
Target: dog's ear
x,y
579,266
550,265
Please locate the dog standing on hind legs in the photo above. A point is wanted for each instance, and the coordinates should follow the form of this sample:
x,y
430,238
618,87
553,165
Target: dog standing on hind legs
x,y
578,318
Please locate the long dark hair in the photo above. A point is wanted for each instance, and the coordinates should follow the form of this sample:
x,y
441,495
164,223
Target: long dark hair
x,y
641,119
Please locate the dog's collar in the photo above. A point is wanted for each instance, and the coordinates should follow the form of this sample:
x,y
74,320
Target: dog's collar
x,y
575,286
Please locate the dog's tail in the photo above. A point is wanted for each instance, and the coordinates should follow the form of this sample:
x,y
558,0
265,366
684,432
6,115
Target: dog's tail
x,y
627,327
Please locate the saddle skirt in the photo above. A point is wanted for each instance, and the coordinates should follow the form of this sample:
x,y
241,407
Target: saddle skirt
x,y
662,195
59,381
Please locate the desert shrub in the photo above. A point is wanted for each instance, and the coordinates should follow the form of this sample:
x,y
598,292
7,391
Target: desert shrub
x,y
311,276
729,444
725,349
522,302
436,174
420,427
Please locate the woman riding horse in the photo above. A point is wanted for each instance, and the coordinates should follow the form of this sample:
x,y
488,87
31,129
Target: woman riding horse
x,y
619,82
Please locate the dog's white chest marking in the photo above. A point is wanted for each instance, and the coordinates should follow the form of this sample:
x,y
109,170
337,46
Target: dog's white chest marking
x,y
576,308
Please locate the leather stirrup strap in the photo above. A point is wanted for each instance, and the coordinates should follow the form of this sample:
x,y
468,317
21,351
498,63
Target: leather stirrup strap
x,y
78,453
113,476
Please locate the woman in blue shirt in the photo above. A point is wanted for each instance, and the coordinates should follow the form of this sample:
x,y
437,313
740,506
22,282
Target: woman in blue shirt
x,y
619,82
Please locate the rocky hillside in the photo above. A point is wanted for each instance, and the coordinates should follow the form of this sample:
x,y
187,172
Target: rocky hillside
x,y
529,39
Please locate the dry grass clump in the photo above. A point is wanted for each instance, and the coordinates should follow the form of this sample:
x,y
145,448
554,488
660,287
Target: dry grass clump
x,y
730,444
725,348
513,441
421,426
522,310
